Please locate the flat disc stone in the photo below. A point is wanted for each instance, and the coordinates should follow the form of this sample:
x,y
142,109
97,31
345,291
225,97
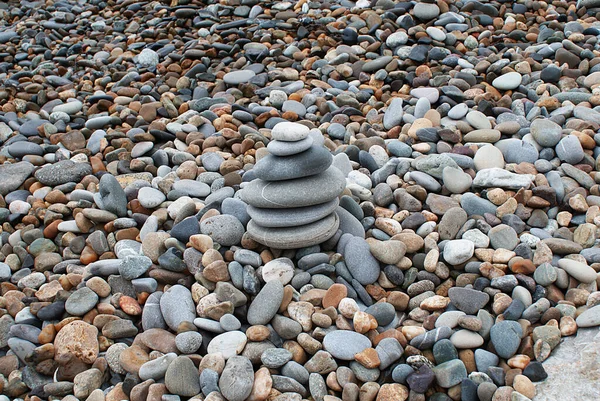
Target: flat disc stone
x,y
296,216
289,131
281,148
276,168
295,237
345,344
300,192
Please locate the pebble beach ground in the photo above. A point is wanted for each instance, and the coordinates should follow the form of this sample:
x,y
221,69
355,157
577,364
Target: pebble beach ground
x,y
311,200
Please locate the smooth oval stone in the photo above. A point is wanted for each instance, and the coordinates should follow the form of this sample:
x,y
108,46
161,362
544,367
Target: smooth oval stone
x,y
468,300
281,269
578,270
545,132
229,344
237,379
295,237
362,264
281,148
455,180
306,191
81,301
176,306
289,132
344,344
508,81
506,337
266,304
589,318
238,77
276,168
458,251
293,216
488,156
192,188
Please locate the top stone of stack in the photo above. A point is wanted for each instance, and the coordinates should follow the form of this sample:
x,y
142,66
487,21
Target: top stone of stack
x,y
292,201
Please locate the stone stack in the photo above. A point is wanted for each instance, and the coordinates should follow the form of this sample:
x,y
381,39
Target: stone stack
x,y
292,201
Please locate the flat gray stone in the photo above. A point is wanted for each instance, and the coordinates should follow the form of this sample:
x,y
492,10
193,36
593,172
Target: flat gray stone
x,y
14,175
237,379
295,237
393,114
192,188
238,77
224,229
578,270
458,251
176,306
293,216
506,337
344,344
310,162
281,148
300,192
362,264
81,302
545,132
468,300
62,172
289,131
266,303
508,81
182,377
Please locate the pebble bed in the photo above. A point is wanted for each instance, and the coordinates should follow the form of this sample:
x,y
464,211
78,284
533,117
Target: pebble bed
x,y
312,200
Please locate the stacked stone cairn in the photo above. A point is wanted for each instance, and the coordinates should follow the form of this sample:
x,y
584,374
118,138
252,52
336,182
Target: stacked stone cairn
x,y
294,197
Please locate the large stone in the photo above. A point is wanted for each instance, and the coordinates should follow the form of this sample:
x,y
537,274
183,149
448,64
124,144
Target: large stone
x,y
281,148
393,113
571,368
292,216
237,379
275,168
578,270
76,342
177,306
545,132
14,175
344,344
300,192
506,337
458,251
450,373
488,156
362,264
112,195
468,300
182,377
228,344
266,304
238,77
224,229
590,317
498,177
297,236
508,81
